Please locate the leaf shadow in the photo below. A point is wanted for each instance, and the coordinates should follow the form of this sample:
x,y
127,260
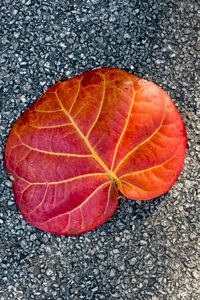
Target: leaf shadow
x,y
143,209
131,212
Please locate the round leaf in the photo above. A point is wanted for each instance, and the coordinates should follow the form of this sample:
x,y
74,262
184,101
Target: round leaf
x,y
87,138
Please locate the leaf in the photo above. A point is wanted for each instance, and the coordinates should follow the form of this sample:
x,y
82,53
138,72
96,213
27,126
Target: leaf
x,y
88,138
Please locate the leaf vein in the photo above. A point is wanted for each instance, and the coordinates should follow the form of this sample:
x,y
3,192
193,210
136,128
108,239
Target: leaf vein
x,y
49,152
42,201
50,126
142,143
63,181
100,108
76,97
110,174
149,169
125,126
78,207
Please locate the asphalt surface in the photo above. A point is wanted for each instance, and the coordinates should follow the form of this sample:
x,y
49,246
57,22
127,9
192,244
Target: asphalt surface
x,y
147,250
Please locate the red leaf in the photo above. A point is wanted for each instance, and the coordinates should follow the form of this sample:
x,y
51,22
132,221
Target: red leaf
x,y
87,138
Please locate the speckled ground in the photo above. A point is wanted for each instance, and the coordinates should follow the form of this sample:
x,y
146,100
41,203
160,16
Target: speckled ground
x,y
147,250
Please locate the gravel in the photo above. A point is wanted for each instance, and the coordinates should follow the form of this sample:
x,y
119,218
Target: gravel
x,y
147,250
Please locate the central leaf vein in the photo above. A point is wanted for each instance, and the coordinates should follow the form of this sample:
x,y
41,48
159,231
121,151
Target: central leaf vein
x,y
109,173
